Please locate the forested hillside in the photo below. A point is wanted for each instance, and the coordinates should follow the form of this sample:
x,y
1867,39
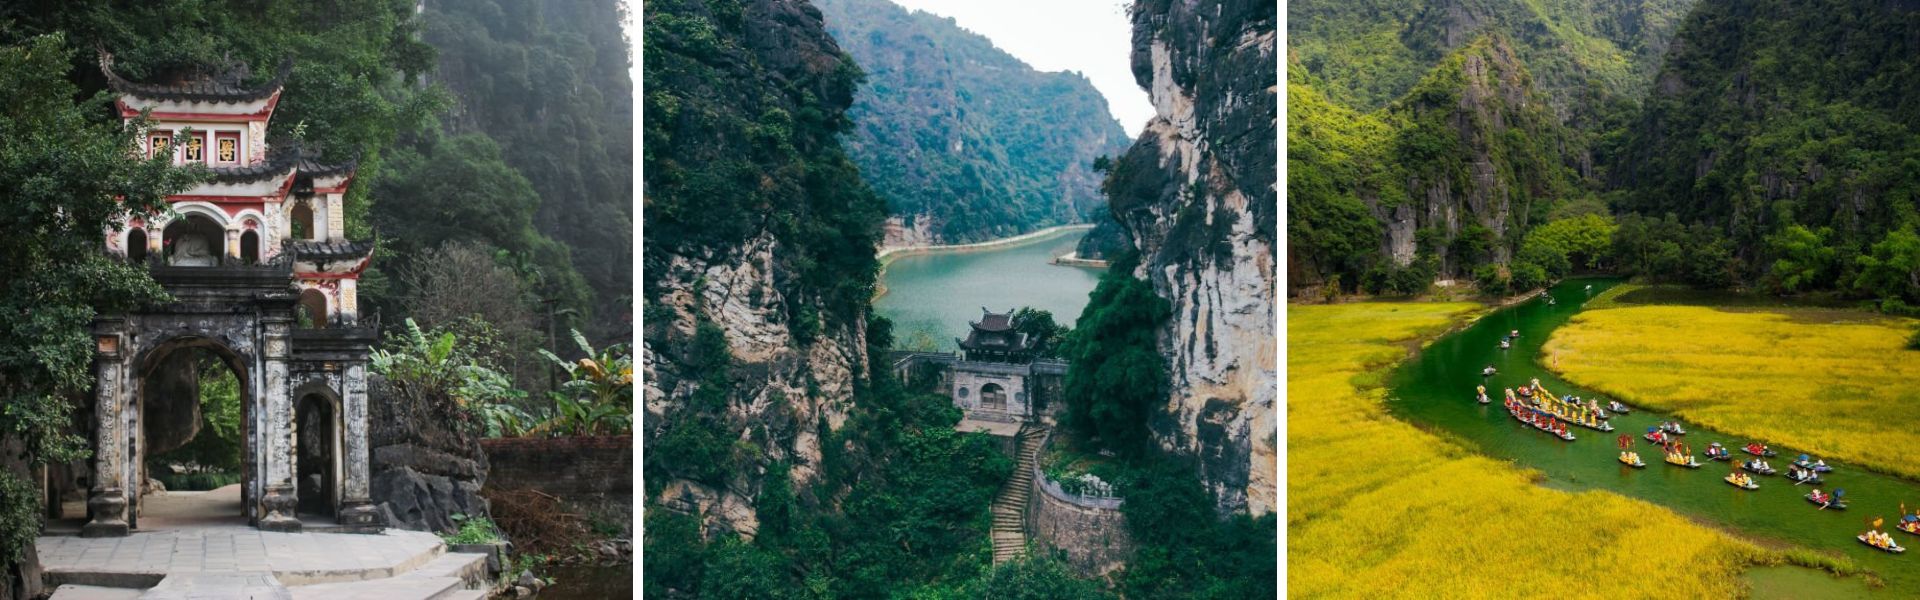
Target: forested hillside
x,y
1754,144
964,141
1444,181
1792,129
548,83
1370,53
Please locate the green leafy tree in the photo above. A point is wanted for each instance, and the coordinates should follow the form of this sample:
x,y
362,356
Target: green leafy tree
x,y
1040,327
1805,259
1118,374
1892,268
68,172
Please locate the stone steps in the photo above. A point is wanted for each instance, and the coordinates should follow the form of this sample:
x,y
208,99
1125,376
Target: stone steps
x,y
1009,533
449,576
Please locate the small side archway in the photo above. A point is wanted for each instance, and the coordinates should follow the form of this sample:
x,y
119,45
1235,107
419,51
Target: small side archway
x,y
318,448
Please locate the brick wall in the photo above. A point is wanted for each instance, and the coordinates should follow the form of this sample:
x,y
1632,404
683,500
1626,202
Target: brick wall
x,y
572,468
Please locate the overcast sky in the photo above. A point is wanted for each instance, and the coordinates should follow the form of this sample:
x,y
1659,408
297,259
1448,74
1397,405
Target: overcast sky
x,y
1089,36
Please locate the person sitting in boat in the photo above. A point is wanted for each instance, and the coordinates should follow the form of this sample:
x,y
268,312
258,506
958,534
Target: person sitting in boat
x,y
1819,464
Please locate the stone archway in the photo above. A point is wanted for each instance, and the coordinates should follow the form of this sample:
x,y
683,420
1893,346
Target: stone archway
x,y
164,414
993,396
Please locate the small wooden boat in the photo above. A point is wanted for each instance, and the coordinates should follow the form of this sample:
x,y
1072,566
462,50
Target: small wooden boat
x,y
1755,466
1617,407
1673,428
1759,449
1514,334
1488,372
1891,548
1632,459
1800,476
1504,345
1826,501
1805,462
1735,480
1912,527
1655,436
1716,451
1683,460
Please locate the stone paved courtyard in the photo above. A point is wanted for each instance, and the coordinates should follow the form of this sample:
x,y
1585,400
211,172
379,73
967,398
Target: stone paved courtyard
x,y
195,545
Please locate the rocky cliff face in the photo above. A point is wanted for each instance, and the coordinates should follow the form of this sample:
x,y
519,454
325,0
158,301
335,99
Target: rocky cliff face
x,y
1481,148
785,304
1197,194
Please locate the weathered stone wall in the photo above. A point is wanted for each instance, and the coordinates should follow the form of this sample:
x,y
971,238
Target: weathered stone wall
x,y
570,468
1090,533
425,467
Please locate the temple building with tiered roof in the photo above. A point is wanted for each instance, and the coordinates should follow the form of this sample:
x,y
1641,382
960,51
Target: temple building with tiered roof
x,y
998,375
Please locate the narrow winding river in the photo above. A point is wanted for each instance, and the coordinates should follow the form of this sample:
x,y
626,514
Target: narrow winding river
x,y
1436,388
938,293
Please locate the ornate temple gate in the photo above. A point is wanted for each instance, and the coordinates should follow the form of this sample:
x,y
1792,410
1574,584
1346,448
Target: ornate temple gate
x,y
245,316
262,275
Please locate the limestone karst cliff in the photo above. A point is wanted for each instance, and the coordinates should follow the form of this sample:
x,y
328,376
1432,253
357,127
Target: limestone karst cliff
x,y
758,248
1197,195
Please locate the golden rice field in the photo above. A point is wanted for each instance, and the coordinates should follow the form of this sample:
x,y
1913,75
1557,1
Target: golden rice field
x,y
1377,508
1834,383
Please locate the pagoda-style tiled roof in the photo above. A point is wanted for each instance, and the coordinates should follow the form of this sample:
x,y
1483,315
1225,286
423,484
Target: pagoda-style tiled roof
x,y
322,250
310,166
200,89
278,163
991,321
1009,341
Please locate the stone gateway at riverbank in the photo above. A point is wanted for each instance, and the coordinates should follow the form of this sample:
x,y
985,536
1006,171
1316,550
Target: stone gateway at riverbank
x,y
263,280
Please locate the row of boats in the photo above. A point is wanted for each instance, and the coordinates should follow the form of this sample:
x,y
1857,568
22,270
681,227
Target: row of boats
x,y
1534,406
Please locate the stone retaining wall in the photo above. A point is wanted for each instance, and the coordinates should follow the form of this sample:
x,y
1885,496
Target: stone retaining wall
x,y
571,468
1090,534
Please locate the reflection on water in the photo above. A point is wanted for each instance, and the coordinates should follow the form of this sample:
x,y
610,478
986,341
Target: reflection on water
x,y
931,297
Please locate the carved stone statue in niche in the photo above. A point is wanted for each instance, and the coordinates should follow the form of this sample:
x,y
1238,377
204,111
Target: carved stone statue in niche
x,y
193,250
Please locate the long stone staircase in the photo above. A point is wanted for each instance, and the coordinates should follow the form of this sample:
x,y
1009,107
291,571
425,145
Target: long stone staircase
x,y
1010,506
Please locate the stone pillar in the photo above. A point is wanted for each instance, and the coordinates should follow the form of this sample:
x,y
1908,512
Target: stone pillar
x,y
356,501
349,302
336,218
276,442
107,501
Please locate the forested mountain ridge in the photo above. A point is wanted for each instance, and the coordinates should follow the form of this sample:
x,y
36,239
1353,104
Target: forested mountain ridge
x,y
963,140
1442,182
1370,53
1792,129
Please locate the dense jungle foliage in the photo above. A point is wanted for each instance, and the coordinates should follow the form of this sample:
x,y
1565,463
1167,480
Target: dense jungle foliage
x,y
66,170
548,83
734,151
1738,159
950,129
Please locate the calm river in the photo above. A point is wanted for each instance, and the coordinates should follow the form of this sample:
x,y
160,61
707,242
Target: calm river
x,y
1436,389
934,296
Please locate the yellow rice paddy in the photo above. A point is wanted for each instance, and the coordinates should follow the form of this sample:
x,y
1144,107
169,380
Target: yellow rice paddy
x,y
1377,508
1837,384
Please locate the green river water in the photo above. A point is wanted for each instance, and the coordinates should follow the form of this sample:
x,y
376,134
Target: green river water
x,y
933,296
1436,388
